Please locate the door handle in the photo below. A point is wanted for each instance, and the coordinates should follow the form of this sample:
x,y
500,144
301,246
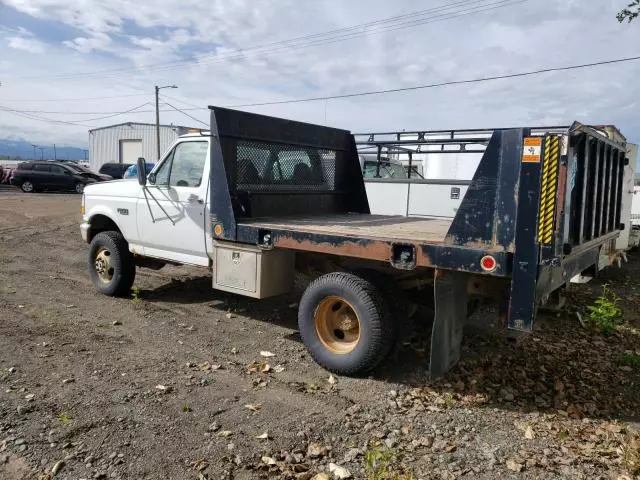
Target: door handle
x,y
194,198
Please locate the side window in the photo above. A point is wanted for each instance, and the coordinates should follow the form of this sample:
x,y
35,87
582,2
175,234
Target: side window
x,y
25,166
162,174
188,164
57,169
41,167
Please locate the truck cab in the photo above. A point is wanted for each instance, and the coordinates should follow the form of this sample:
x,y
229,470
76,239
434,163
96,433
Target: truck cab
x,y
166,219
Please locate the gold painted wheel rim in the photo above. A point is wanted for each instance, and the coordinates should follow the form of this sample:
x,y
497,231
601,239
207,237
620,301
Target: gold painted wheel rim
x,y
103,265
337,325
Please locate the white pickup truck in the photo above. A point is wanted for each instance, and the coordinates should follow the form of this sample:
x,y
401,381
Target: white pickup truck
x,y
258,198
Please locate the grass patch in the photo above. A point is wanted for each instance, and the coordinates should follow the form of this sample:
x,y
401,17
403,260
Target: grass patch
x,y
186,408
449,399
631,359
604,314
383,464
135,294
64,418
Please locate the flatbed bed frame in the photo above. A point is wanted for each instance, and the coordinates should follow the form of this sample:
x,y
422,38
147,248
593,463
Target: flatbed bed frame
x,y
540,206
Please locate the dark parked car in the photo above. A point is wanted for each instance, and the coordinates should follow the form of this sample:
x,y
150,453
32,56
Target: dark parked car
x,y
98,177
34,176
115,170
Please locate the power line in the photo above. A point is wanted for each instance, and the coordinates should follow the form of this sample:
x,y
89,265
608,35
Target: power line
x,y
106,114
190,116
181,101
82,99
69,112
442,84
50,121
370,28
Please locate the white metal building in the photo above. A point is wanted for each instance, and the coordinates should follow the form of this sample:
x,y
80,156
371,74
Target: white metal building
x,y
125,142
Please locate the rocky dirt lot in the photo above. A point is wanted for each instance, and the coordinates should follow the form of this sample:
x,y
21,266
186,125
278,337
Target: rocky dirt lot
x,y
184,382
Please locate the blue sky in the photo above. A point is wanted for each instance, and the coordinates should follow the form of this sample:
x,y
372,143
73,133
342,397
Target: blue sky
x,y
57,56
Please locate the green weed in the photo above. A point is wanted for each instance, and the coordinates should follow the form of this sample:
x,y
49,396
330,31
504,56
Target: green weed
x,y
382,464
186,408
604,314
449,399
64,418
135,294
631,359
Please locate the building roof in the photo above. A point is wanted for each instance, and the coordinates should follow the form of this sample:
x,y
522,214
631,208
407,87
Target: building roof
x,y
137,123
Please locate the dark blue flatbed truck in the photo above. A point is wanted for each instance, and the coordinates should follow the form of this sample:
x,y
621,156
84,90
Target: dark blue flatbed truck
x,y
288,196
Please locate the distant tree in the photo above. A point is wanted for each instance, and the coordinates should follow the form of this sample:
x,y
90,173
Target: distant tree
x,y
630,13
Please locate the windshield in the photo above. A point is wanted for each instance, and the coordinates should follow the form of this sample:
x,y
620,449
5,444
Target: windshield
x,y
81,168
75,168
387,170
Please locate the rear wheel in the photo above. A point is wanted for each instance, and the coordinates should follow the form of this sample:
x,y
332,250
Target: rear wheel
x,y
345,323
79,187
111,265
27,187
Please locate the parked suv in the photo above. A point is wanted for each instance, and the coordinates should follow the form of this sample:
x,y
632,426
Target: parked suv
x,y
84,171
34,176
115,170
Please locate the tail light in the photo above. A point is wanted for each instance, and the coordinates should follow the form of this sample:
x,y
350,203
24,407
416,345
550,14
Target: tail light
x,y
488,263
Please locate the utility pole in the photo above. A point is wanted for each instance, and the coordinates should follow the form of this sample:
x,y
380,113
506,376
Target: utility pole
x,y
158,117
41,152
34,151
55,153
157,124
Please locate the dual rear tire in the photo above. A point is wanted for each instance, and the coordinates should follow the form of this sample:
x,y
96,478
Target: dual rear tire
x,y
346,323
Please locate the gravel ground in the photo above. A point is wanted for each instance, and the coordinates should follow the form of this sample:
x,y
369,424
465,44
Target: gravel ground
x,y
184,382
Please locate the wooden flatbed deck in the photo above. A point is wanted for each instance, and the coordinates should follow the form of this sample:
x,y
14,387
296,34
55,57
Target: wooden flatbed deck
x,y
361,226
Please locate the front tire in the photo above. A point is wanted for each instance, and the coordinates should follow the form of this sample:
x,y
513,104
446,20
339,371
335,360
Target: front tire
x,y
111,265
27,187
79,187
345,323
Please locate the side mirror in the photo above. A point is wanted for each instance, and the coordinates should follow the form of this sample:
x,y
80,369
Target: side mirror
x,y
142,171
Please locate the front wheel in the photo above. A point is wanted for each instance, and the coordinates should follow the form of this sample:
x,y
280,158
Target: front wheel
x,y
111,265
27,187
345,323
79,187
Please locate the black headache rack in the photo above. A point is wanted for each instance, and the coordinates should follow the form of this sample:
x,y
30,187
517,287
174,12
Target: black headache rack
x,y
264,166
541,202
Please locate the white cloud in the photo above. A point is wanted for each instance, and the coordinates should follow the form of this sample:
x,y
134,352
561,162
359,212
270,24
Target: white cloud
x,y
122,34
25,43
22,39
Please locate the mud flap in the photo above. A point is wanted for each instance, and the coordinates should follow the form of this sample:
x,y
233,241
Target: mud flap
x,y
450,296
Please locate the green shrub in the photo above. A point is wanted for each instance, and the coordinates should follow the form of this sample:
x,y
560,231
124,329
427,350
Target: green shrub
x,y
604,314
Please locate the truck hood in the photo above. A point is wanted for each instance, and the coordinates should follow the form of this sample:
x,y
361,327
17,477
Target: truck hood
x,y
114,188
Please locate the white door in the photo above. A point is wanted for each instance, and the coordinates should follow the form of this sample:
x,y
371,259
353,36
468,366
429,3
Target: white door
x,y
130,151
171,211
